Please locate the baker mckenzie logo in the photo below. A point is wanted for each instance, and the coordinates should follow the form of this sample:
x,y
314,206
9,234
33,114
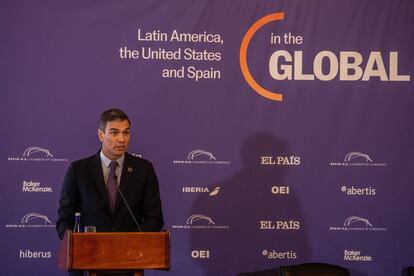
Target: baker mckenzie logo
x,y
33,220
356,256
202,157
35,187
199,221
37,154
358,159
349,65
355,223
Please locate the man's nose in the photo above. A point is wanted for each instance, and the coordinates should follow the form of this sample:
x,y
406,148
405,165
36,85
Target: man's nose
x,y
121,137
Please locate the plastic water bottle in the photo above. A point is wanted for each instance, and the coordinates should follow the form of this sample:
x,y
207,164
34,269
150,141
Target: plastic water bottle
x,y
77,227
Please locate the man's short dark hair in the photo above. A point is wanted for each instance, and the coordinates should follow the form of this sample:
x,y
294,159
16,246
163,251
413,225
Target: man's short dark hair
x,y
113,114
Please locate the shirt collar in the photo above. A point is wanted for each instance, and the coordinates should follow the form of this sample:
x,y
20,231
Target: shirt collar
x,y
107,161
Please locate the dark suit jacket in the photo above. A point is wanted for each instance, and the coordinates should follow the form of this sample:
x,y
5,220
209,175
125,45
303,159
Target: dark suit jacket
x,y
84,191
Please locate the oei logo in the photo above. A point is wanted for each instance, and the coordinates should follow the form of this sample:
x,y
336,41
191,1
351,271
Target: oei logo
x,y
200,254
280,190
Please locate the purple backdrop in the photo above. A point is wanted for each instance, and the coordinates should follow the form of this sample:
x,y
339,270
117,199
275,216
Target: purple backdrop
x,y
247,183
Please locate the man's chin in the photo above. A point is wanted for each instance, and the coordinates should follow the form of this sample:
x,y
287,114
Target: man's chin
x,y
118,152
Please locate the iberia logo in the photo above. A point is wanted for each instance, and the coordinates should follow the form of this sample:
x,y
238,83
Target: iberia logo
x,y
275,96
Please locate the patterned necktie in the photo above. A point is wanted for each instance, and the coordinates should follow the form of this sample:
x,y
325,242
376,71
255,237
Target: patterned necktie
x,y
111,183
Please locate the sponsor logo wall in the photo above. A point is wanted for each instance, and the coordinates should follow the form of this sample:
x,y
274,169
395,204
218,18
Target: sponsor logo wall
x,y
281,132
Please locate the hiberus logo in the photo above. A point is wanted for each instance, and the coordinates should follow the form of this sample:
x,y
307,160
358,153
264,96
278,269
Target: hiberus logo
x,y
358,159
30,254
356,223
199,221
36,153
280,160
213,192
33,220
341,65
201,157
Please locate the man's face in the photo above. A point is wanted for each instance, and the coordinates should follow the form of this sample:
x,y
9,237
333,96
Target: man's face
x,y
115,139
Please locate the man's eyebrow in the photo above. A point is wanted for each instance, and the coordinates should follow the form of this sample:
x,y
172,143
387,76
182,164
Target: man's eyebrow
x,y
117,129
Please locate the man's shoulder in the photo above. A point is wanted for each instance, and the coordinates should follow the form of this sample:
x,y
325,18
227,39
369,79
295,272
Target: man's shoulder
x,y
137,160
86,160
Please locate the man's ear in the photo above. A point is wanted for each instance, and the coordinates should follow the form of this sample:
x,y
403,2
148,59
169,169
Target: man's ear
x,y
101,135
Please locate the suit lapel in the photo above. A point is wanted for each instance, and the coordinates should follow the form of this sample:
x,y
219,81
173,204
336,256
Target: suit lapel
x,y
97,174
128,171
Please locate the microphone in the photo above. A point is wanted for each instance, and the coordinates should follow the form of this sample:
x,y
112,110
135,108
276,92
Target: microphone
x,y
127,205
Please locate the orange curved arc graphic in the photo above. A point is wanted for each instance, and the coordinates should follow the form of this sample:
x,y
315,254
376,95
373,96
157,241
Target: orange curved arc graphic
x,y
243,56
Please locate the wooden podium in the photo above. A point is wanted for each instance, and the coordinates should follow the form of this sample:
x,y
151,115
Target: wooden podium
x,y
126,252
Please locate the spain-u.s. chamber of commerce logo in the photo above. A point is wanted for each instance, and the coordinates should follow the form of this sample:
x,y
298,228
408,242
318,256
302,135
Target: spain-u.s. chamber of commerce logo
x,y
199,221
358,159
201,157
36,153
357,223
33,220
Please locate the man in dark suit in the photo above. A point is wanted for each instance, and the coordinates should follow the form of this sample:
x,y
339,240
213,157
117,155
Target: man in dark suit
x,y
88,183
